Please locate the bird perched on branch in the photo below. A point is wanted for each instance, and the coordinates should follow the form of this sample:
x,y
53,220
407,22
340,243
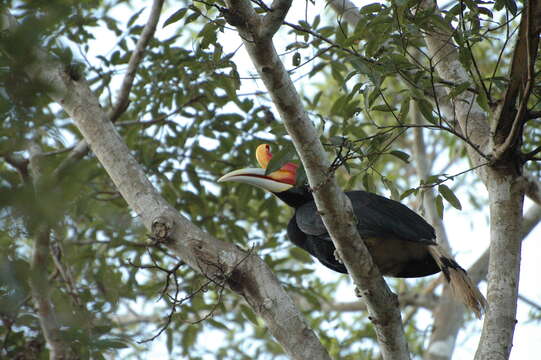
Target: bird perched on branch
x,y
401,243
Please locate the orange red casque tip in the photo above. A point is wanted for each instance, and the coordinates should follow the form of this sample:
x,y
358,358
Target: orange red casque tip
x,y
286,174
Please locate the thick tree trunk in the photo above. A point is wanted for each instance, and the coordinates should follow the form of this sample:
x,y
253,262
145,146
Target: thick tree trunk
x,y
506,198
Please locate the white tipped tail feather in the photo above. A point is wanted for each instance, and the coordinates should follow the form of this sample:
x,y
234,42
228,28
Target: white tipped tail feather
x,y
462,286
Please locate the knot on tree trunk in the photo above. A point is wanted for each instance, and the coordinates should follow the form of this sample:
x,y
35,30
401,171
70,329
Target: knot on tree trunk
x,y
161,229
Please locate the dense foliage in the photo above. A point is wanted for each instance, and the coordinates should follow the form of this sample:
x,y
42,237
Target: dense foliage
x,y
196,112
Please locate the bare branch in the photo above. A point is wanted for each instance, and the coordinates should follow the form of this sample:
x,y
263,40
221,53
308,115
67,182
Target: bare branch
x,y
122,101
443,313
334,207
534,115
427,301
423,172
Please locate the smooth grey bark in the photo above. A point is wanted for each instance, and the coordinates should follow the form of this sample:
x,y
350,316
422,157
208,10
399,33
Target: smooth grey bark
x,y
506,199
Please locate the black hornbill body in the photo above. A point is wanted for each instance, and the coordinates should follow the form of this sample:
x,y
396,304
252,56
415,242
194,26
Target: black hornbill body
x,y
401,243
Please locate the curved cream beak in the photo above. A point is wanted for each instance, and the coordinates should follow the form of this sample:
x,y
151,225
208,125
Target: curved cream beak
x,y
256,177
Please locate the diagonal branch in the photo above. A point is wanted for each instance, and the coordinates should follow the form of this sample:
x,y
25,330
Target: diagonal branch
x,y
122,101
334,207
248,276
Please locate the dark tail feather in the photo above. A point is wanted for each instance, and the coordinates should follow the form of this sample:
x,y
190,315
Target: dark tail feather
x,y
463,288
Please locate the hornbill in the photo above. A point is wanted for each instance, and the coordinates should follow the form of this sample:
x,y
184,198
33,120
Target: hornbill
x,y
401,242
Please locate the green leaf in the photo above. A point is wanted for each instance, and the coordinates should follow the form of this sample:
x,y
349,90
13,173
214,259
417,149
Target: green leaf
x,y
482,98
439,206
404,109
188,337
459,89
279,159
371,8
383,107
450,196
407,193
301,255
401,155
426,110
216,324
169,340
432,179
368,183
249,314
134,17
110,344
178,15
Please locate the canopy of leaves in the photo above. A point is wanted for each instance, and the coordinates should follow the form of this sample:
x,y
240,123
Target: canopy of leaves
x,y
196,112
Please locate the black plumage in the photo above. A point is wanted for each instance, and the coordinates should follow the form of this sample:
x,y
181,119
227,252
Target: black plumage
x,y
401,243
397,237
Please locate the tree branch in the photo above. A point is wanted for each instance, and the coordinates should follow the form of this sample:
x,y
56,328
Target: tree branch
x,y
39,282
509,120
122,101
274,19
334,207
471,118
252,278
427,301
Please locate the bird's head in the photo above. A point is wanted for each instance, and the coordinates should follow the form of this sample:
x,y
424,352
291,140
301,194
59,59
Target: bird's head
x,y
276,182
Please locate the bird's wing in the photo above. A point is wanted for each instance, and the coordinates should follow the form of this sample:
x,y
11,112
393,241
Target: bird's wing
x,y
309,221
376,216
